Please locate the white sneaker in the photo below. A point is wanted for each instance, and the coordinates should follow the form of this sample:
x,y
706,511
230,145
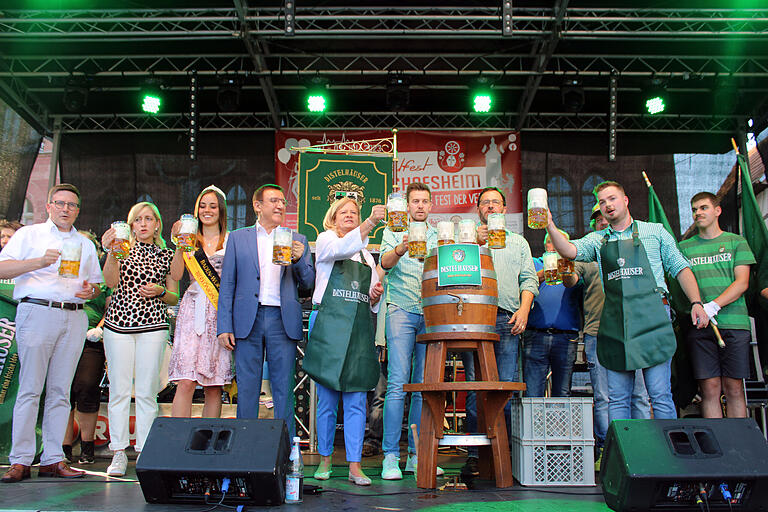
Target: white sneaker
x,y
412,464
119,464
390,468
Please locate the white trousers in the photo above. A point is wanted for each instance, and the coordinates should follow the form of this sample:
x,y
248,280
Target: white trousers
x,y
49,342
132,359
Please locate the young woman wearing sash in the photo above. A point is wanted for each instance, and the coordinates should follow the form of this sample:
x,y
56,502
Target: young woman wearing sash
x,y
197,357
341,356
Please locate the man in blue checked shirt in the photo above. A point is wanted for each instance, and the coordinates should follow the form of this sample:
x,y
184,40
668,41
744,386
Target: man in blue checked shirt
x,y
635,330
518,286
405,321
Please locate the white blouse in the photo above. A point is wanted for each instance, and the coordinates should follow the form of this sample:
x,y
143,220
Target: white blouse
x,y
329,249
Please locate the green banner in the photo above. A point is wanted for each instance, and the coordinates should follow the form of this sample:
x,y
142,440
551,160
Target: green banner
x,y
9,372
459,265
324,177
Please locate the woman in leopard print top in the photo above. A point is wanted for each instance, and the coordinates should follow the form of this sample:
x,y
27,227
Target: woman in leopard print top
x,y
136,328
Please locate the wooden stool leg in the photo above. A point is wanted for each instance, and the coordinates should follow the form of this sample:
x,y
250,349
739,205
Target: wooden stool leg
x,y
486,369
434,366
497,432
431,427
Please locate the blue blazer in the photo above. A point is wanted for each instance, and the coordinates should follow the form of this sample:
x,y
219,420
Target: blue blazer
x,y
240,284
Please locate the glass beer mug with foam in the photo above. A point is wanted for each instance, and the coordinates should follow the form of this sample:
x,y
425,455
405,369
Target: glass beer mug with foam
x,y
467,231
397,212
497,235
417,240
550,268
281,246
446,232
185,240
121,245
537,208
69,265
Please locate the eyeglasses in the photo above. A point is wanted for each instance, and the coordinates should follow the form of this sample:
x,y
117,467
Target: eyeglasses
x,y
60,205
494,202
276,200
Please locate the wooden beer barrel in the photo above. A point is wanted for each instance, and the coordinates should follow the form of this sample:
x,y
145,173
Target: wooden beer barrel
x,y
460,309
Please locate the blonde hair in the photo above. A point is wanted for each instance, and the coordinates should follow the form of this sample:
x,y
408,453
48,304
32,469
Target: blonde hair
x,y
329,221
158,238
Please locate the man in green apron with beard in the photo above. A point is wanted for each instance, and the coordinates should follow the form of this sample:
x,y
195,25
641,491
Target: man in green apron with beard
x,y
635,328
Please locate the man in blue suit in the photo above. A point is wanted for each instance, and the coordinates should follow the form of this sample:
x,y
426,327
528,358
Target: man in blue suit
x,y
259,310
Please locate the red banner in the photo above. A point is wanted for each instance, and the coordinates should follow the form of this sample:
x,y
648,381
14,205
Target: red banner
x,y
455,165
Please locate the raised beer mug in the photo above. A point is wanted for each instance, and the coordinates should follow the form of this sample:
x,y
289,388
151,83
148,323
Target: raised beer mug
x,y
565,267
121,245
537,208
549,260
397,212
497,234
467,231
446,232
185,240
417,240
69,266
281,246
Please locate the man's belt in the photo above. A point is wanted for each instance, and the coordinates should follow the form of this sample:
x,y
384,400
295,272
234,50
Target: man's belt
x,y
71,306
552,330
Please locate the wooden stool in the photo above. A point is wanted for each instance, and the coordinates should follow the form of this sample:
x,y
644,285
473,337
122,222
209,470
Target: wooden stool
x,y
492,396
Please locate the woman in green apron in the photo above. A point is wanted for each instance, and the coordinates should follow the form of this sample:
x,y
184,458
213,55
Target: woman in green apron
x,y
340,355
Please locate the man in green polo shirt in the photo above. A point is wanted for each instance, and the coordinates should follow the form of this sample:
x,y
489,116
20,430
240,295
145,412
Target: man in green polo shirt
x,y
720,261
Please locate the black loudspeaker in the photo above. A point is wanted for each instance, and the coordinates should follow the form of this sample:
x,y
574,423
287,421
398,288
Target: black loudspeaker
x,y
185,460
672,464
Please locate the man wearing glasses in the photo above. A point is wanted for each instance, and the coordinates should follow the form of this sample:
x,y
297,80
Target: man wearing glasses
x,y
50,329
518,285
259,310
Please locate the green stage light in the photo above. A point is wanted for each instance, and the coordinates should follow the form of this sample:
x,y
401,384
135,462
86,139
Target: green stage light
x,y
150,103
482,102
316,103
655,105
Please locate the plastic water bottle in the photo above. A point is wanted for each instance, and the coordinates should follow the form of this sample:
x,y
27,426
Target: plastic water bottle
x,y
294,480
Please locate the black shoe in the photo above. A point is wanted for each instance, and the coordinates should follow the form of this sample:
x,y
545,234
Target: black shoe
x,y
470,467
67,453
86,452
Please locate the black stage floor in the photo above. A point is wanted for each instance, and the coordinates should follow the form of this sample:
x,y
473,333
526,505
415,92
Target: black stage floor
x,y
98,492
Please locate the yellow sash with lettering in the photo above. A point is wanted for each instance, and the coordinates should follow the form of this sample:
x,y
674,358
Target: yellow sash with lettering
x,y
203,272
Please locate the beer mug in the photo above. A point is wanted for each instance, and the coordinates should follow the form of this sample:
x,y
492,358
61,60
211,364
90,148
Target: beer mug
x,y
550,268
121,245
565,267
537,208
397,212
446,232
69,266
497,235
417,240
281,246
185,240
467,231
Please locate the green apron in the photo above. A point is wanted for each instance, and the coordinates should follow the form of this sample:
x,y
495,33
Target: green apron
x,y
340,353
635,330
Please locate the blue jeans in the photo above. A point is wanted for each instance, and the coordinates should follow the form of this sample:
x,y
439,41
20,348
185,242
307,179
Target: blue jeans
x,y
267,336
506,352
405,363
542,351
657,381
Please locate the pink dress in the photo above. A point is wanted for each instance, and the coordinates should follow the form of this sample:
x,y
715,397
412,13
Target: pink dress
x,y
197,354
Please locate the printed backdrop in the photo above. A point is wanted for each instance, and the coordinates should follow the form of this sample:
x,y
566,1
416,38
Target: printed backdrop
x,y
455,164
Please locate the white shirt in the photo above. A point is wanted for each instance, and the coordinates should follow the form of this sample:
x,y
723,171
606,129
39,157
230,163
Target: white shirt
x,y
45,283
269,287
329,248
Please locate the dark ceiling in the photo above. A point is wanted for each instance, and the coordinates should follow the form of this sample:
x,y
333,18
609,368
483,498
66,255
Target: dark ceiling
x,y
711,56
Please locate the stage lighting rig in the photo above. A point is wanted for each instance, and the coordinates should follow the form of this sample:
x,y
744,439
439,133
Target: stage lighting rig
x,y
481,94
572,94
317,99
75,94
655,97
398,92
151,96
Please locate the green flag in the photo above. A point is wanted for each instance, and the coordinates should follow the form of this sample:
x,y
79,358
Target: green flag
x,y
684,386
754,232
